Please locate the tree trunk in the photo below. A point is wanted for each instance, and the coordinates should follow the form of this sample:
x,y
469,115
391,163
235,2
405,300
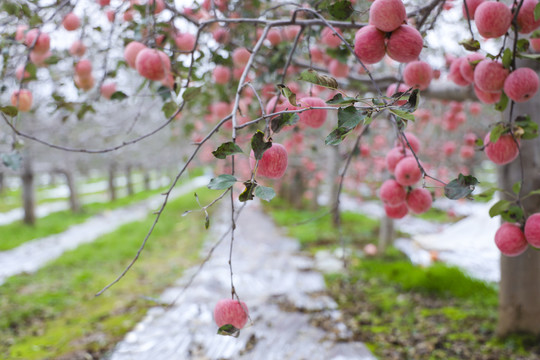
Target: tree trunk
x,y
112,187
74,202
146,180
387,234
335,167
28,192
129,181
2,178
519,296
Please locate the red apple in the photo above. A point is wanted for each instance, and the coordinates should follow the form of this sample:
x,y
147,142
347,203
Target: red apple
x,y
394,156
84,82
489,75
405,44
338,69
221,74
314,118
503,151
184,41
407,172
510,240
240,57
419,200
369,44
71,22
394,88
412,139
77,49
521,85
157,5
387,15
107,89
392,193
19,73
466,152
231,312
42,44
274,37
532,230
22,100
471,5
273,163
417,74
131,51
83,68
396,212
493,19
455,73
153,64
487,97
525,18
467,66
330,39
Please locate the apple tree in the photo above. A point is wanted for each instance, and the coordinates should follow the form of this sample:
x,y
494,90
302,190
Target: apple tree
x,y
259,89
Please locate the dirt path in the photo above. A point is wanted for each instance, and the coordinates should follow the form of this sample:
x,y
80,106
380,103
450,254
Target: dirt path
x,y
32,255
291,316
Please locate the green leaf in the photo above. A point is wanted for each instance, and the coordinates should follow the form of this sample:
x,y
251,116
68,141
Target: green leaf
x,y
337,136
341,10
507,58
470,44
222,182
461,187
529,56
405,115
313,77
169,108
164,92
496,133
338,99
516,187
529,127
499,207
247,194
282,120
537,12
513,214
228,330
228,148
258,145
9,110
265,193
10,8
285,91
350,117
501,105
191,93
412,102
118,95
487,194
84,109
12,161
523,45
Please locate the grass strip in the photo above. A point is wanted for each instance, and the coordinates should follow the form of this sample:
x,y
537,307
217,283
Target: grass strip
x,y
54,314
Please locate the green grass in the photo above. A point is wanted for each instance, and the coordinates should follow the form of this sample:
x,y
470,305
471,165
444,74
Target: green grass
x,y
437,215
54,314
16,233
314,229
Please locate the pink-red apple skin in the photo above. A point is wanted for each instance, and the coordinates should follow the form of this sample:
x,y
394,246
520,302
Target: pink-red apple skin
x,y
471,5
503,151
407,172
487,97
107,89
221,74
330,39
394,88
392,193
314,118
455,73
77,49
42,44
184,41
535,44
419,200
467,66
412,139
405,44
231,312
131,51
532,230
71,22
525,18
338,69
489,75
387,15
510,240
396,212
83,68
240,56
466,152
22,100
521,85
418,74
492,19
394,156
153,64
369,44
273,163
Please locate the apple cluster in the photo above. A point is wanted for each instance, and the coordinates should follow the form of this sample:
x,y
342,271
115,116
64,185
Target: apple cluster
x,y
231,312
398,194
387,33
513,240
